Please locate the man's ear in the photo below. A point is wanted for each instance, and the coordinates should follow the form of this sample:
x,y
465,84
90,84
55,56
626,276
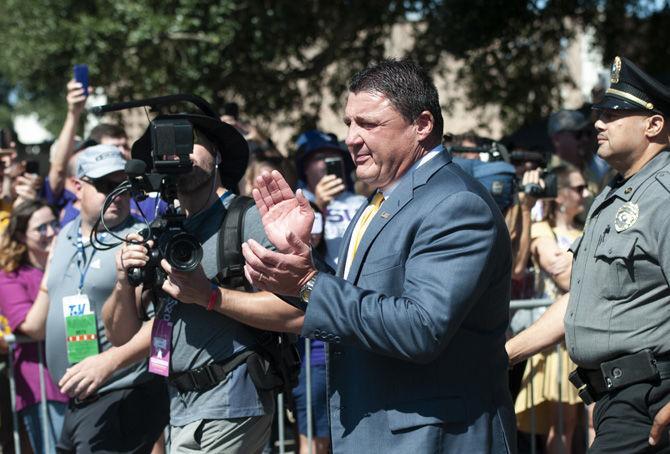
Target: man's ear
x,y
78,187
655,126
424,125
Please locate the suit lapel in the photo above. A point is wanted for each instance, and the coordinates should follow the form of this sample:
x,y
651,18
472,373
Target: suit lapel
x,y
400,197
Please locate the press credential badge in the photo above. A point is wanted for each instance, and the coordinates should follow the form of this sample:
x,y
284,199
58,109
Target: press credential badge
x,y
161,340
81,330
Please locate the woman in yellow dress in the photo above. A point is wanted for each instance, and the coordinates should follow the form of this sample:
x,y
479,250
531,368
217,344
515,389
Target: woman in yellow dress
x,y
545,384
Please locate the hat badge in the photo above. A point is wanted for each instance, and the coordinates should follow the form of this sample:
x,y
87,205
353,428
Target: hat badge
x,y
616,69
626,216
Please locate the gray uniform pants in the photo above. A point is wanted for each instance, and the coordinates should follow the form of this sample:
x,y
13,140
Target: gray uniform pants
x,y
235,435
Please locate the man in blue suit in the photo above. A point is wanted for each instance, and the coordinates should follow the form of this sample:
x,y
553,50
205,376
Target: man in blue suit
x,y
416,316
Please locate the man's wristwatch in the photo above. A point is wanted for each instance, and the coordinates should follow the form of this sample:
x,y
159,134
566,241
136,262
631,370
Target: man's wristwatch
x,y
306,290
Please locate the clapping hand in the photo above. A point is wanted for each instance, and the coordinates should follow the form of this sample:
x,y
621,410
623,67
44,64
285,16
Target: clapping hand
x,y
282,211
287,219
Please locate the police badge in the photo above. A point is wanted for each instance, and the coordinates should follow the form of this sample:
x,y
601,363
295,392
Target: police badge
x,y
626,216
616,69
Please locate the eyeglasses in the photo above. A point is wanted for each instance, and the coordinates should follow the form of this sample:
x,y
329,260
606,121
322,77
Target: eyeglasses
x,y
579,188
102,186
43,228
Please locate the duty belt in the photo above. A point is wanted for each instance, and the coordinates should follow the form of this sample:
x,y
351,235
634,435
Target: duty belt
x,y
618,373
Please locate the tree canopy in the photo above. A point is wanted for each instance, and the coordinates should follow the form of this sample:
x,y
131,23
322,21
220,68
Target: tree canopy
x,y
276,57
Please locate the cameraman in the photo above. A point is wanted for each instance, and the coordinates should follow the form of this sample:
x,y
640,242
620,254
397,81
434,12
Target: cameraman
x,y
209,412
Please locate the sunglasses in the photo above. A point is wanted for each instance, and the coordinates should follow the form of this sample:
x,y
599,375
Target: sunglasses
x,y
102,186
43,228
580,188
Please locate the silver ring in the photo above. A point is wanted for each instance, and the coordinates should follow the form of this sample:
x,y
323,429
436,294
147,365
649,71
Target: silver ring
x,y
260,278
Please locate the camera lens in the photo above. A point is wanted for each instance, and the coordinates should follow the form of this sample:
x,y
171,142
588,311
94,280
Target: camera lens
x,y
183,252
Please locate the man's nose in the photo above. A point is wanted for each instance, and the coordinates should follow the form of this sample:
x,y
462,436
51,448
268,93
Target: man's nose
x,y
353,137
599,124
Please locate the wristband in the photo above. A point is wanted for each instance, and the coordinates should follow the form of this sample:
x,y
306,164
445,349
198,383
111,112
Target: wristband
x,y
213,298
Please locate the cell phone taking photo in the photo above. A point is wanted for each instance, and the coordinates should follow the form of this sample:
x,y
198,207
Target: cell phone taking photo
x,y
81,76
32,166
335,166
5,139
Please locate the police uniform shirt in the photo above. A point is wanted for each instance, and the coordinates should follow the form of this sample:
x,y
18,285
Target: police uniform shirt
x,y
619,293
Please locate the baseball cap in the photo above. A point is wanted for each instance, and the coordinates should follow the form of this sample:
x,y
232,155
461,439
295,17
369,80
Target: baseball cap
x,y
99,161
314,140
566,120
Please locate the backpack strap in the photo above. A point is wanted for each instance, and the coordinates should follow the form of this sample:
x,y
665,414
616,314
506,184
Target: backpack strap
x,y
229,251
278,349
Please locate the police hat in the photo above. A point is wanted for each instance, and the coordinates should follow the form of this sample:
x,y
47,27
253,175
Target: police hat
x,y
633,89
231,144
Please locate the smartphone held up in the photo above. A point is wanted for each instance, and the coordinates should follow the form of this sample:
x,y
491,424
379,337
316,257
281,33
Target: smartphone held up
x,y
335,166
81,76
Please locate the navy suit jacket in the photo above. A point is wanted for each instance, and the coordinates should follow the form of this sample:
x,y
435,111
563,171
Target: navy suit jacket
x,y
416,333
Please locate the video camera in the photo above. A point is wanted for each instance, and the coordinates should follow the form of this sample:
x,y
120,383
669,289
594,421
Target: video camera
x,y
495,151
540,159
164,155
550,189
492,151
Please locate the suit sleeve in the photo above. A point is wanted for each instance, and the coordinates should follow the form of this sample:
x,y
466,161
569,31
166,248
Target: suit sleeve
x,y
452,257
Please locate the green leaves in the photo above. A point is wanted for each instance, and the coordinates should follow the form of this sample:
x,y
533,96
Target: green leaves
x,y
279,56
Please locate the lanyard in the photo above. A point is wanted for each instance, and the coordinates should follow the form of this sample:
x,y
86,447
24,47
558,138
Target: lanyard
x,y
82,264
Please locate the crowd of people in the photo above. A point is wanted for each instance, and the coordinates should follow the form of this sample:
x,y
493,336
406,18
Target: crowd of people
x,y
394,251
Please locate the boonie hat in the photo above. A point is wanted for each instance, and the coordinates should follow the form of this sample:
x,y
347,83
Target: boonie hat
x,y
232,146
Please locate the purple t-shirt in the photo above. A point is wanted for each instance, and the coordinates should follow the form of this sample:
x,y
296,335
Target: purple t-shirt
x,y
19,290
64,204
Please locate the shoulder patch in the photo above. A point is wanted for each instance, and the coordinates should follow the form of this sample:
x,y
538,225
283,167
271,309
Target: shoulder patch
x,y
663,177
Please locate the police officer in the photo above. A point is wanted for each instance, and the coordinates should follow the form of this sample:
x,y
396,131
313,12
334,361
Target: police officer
x,y
617,323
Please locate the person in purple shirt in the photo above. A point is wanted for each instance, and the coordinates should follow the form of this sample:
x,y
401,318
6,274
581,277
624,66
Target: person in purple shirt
x,y
24,250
